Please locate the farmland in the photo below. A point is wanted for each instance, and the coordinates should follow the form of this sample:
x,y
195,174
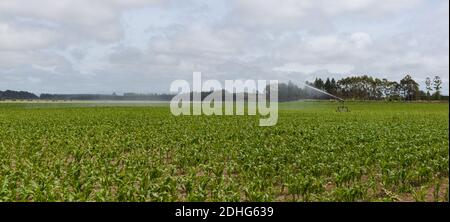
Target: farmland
x,y
87,152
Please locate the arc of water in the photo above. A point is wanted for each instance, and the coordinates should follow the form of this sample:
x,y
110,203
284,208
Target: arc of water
x,y
321,91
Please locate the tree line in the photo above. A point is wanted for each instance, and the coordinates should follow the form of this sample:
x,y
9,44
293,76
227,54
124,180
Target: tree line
x,y
364,88
11,95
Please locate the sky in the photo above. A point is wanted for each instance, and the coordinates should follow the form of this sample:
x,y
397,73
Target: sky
x,y
106,46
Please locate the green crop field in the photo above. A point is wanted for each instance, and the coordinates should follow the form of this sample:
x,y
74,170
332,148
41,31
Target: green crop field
x,y
87,152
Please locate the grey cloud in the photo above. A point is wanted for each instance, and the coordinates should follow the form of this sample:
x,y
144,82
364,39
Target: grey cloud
x,y
98,46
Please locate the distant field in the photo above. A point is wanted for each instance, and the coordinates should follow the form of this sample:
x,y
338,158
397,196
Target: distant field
x,y
140,152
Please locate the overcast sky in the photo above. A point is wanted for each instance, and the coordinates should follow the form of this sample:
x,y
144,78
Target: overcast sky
x,y
105,46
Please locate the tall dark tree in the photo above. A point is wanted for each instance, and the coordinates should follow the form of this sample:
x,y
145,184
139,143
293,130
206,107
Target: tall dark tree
x,y
334,86
327,86
410,88
318,83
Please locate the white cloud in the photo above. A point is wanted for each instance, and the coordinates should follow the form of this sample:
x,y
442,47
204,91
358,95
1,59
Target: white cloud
x,y
308,69
77,19
361,39
294,12
16,38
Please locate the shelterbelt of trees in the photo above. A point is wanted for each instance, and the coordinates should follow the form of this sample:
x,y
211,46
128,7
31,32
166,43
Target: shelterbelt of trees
x,y
365,88
10,94
355,87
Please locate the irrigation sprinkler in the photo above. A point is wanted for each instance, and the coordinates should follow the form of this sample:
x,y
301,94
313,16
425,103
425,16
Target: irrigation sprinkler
x,y
342,107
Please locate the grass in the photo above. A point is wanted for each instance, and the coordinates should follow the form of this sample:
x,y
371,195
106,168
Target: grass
x,y
109,152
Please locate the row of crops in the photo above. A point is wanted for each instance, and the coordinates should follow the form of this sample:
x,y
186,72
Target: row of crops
x,y
376,152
